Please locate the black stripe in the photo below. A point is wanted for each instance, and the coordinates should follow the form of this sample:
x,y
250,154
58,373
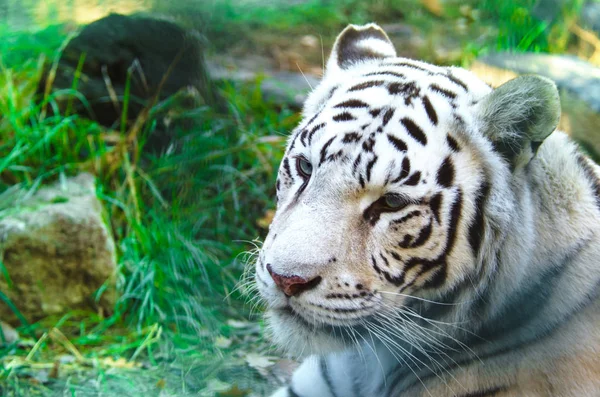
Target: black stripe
x,y
446,93
457,81
410,90
370,165
312,132
455,213
423,236
477,227
327,376
430,110
410,215
386,72
345,116
367,84
303,134
445,174
385,260
286,166
352,103
486,393
414,179
374,112
351,137
324,150
397,143
591,176
368,145
396,280
356,163
452,143
435,203
312,119
409,65
387,116
414,130
439,276
293,142
405,170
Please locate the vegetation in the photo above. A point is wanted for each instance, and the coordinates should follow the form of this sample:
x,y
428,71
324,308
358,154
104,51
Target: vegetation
x,y
183,219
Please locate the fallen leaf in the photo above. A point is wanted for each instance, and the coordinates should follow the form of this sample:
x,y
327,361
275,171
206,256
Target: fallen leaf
x,y
120,363
235,391
266,220
222,342
238,324
214,386
55,370
434,7
260,363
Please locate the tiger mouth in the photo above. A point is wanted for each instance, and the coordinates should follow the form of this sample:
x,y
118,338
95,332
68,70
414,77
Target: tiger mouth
x,y
328,317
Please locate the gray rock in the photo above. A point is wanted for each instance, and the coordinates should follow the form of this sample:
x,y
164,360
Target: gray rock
x,y
578,83
549,10
590,16
280,86
57,251
163,59
9,334
570,73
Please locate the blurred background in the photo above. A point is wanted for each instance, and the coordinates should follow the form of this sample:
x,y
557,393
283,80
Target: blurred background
x,y
139,145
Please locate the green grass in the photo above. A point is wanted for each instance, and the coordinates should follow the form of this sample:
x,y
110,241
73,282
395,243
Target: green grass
x,y
496,24
180,221
183,218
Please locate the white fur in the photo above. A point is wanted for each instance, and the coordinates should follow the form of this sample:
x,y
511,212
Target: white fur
x,y
541,218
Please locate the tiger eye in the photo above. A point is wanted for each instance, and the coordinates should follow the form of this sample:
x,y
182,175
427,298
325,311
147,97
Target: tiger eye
x,y
394,201
304,166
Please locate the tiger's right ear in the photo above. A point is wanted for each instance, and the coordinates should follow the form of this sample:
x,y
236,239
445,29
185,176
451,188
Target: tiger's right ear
x,y
359,43
519,115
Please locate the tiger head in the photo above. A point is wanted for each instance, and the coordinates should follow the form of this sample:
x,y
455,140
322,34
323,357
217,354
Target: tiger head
x,y
381,189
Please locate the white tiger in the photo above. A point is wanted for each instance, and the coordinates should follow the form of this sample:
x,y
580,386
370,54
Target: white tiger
x,y
433,236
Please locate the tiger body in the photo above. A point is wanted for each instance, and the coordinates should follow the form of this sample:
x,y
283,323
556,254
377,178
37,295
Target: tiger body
x,y
433,237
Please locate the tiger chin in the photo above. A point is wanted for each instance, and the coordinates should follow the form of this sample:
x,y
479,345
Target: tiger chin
x,y
434,236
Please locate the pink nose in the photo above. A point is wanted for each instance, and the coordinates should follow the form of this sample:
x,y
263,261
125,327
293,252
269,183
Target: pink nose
x,y
293,285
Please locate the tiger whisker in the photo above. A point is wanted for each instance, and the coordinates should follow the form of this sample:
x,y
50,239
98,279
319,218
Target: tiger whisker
x,y
422,299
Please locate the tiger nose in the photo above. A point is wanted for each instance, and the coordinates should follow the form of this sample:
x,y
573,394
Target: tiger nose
x,y
293,285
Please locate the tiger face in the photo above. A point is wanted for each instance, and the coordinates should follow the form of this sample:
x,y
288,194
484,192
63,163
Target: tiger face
x,y
378,195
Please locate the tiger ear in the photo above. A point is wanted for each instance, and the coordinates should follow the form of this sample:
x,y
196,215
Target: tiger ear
x,y
359,43
519,115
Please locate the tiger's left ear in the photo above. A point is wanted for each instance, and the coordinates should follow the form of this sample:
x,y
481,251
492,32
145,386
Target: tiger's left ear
x,y
519,115
359,43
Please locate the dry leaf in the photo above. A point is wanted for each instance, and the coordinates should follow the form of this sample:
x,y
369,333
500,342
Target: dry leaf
x,y
120,363
214,386
222,342
266,220
238,324
235,391
260,363
434,7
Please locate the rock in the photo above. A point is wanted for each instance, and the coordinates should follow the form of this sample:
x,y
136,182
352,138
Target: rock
x,y
590,16
309,41
579,77
9,334
280,86
117,44
550,10
578,82
57,251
